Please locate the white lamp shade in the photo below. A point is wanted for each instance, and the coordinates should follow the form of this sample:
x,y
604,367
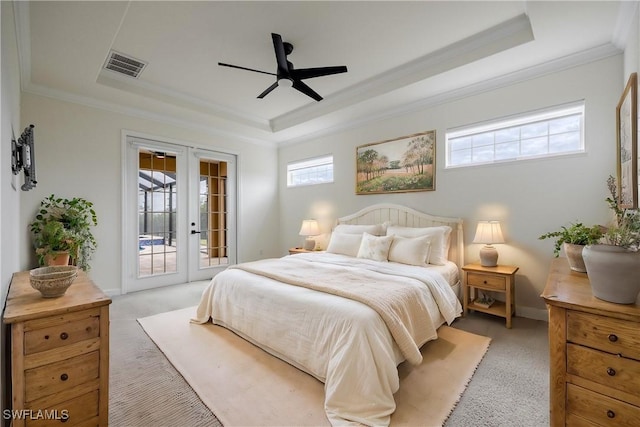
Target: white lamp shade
x,y
488,232
309,228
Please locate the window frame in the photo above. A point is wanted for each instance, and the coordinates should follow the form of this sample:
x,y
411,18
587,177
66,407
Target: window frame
x,y
518,120
309,164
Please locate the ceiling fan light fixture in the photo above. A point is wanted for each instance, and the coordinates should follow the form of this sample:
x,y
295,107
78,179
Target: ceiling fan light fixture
x,y
285,82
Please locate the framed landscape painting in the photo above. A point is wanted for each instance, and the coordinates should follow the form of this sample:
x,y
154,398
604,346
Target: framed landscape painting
x,y
627,150
397,165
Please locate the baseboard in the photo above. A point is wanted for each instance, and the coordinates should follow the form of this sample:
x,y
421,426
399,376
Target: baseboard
x,y
532,313
112,292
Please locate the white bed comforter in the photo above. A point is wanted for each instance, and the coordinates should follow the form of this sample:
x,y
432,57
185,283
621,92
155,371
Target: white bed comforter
x,y
342,342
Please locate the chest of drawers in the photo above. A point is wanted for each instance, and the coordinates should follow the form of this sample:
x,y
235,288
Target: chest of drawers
x,y
594,354
59,354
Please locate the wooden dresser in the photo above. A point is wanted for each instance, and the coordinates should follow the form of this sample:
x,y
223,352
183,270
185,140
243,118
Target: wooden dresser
x,y
594,354
59,354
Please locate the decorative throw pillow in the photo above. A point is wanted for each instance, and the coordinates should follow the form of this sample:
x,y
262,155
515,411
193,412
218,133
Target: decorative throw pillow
x,y
374,247
410,250
344,244
439,240
375,229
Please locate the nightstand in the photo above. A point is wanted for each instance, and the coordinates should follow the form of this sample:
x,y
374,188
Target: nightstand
x,y
501,278
293,251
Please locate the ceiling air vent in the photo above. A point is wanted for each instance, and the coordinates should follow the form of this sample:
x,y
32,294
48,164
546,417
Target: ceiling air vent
x,y
124,64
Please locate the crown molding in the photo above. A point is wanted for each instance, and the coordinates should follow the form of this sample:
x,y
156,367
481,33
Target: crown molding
x,y
498,38
173,97
140,113
556,65
624,23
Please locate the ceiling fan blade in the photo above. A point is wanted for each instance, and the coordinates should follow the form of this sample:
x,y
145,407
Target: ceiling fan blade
x,y
281,56
297,84
268,90
309,73
245,68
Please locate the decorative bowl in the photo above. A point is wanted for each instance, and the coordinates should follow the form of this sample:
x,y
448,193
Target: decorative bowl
x,y
53,281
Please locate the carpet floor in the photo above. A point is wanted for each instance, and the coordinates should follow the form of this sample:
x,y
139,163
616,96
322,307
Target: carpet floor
x,y
510,386
230,374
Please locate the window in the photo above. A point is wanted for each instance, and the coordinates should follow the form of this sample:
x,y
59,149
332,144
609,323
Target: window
x,y
545,133
318,170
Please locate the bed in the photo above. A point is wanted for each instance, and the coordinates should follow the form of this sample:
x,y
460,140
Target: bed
x,y
349,315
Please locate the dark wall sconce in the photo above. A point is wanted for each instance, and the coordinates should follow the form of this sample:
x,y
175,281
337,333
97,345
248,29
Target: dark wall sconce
x,y
23,158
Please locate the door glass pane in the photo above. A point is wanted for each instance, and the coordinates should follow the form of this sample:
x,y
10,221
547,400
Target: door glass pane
x,y
214,245
157,207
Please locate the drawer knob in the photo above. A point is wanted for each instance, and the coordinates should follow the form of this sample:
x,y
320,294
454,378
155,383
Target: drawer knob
x,y
613,337
485,282
611,371
64,377
64,336
611,414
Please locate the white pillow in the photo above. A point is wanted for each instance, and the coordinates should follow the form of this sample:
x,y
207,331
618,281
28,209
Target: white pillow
x,y
439,240
344,244
410,250
374,247
375,229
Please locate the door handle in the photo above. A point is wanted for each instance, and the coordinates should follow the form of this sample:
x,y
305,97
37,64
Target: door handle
x,y
195,232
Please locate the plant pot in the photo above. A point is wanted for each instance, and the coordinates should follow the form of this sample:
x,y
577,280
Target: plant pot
x,y
614,273
57,258
574,257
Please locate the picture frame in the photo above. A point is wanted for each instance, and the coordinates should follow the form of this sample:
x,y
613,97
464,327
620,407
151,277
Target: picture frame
x,y
627,140
398,165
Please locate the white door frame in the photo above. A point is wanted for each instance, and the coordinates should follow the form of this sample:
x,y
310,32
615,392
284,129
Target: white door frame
x,y
195,154
129,259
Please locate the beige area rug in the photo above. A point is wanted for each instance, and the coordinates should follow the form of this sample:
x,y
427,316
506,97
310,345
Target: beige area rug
x,y
245,386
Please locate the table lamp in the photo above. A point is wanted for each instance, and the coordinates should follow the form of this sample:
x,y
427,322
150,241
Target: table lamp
x,y
489,233
309,228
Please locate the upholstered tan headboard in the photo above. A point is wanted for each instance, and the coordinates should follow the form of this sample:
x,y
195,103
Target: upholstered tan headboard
x,y
408,217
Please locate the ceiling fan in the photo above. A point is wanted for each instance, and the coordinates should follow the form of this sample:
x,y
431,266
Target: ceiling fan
x,y
288,76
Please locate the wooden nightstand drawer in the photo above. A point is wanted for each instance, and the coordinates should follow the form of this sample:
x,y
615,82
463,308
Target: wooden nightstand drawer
x,y
604,368
76,410
489,282
59,376
60,335
600,409
615,336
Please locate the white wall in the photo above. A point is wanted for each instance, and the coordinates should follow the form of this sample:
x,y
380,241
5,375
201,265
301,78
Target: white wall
x,y
78,151
9,195
529,198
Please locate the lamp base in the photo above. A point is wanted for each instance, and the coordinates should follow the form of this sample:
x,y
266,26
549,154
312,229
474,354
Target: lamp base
x,y
309,244
488,256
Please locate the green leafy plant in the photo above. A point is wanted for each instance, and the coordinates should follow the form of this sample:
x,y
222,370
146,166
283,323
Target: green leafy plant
x,y
577,234
65,223
625,230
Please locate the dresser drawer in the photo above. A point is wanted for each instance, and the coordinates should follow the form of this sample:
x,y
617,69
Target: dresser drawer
x,y
600,409
76,411
604,368
498,283
58,376
59,335
604,333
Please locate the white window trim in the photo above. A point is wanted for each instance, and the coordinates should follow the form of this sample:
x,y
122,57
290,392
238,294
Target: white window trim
x,y
326,159
518,120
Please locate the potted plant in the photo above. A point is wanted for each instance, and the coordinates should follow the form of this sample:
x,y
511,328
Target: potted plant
x,y
573,239
65,223
613,265
54,244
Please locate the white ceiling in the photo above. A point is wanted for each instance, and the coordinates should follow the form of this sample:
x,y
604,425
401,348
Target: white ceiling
x,y
400,56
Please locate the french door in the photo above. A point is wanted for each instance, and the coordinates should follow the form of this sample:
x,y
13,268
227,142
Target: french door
x,y
178,213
